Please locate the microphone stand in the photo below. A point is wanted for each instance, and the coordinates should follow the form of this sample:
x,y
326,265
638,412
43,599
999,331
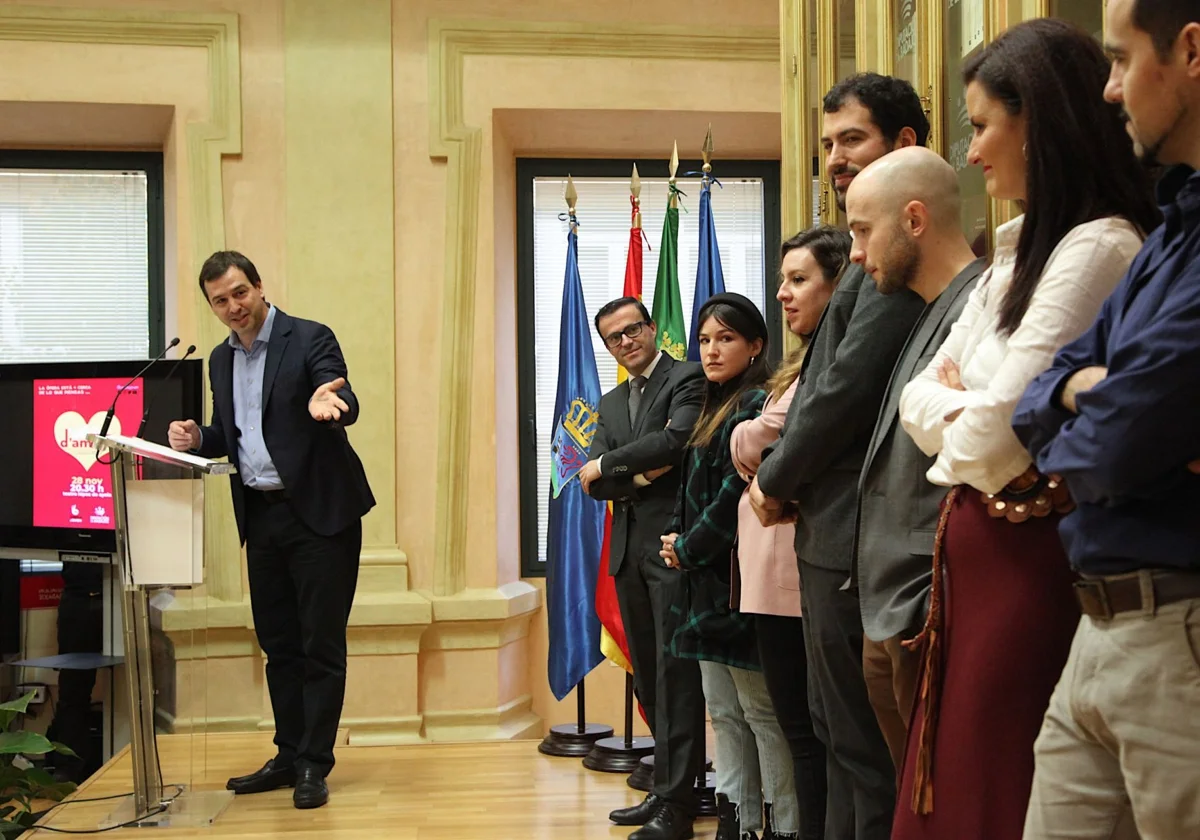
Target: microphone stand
x,y
113,408
146,414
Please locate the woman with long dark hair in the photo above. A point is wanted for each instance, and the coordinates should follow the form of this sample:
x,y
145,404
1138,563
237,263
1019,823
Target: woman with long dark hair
x,y
1002,612
752,760
811,265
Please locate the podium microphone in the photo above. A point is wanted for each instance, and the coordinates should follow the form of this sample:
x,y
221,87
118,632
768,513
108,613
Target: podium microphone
x,y
146,414
112,408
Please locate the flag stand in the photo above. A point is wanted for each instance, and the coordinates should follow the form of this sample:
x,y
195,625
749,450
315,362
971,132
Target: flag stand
x,y
620,755
572,740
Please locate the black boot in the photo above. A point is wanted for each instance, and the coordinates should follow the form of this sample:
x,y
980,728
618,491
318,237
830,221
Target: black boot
x,y
769,832
727,828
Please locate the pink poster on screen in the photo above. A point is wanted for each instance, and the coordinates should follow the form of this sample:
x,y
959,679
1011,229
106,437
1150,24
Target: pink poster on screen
x,y
71,489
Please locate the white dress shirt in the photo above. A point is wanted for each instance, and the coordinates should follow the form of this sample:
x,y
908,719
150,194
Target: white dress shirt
x,y
979,447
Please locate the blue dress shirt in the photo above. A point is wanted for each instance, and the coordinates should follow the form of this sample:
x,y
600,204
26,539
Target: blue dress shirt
x,y
1125,455
254,461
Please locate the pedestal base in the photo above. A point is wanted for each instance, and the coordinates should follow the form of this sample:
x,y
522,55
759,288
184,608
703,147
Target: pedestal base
x,y
610,755
190,809
642,778
567,741
706,796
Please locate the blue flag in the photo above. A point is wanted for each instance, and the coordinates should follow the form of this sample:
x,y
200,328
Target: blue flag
x,y
710,280
576,527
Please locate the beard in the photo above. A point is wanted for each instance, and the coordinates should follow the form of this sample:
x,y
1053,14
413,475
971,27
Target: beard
x,y
840,192
900,264
1149,154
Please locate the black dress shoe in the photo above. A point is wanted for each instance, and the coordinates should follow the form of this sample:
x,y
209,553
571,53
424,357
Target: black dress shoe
x,y
670,822
639,814
311,790
273,775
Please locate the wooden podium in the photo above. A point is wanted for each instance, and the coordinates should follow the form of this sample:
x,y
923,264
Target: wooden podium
x,y
159,528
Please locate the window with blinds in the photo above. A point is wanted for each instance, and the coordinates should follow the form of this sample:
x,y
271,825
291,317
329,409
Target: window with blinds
x,y
80,257
741,208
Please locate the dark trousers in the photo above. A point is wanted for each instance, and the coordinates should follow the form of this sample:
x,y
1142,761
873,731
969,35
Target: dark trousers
x,y
785,667
80,630
668,688
301,589
862,778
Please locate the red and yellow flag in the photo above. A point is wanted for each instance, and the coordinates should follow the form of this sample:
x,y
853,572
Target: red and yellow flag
x,y
613,643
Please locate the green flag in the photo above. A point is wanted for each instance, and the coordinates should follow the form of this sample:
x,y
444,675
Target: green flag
x,y
668,308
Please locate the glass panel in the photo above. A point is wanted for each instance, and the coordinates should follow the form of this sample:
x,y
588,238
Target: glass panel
x,y
844,23
904,47
1088,14
963,35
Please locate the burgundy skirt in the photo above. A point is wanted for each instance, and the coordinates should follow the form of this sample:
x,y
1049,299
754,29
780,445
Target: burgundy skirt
x,y
1008,615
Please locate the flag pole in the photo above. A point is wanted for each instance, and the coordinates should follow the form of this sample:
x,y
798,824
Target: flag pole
x,y
574,740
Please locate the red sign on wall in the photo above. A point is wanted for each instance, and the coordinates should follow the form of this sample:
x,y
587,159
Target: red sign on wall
x,y
39,592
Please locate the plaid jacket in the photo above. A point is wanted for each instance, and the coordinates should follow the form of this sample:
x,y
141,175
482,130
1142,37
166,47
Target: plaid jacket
x,y
706,518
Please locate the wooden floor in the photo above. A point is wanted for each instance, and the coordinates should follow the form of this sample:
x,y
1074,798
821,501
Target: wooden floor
x,y
482,791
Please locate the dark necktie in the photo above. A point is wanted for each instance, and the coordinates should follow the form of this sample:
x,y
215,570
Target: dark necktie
x,y
635,398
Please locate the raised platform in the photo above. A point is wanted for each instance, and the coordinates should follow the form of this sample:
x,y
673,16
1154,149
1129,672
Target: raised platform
x,y
474,791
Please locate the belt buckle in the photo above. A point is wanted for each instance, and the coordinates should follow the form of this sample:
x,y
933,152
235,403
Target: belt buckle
x,y
1092,596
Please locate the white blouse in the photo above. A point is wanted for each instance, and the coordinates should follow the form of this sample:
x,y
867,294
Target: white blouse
x,y
979,447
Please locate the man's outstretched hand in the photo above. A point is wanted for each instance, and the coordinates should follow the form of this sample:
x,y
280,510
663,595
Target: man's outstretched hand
x,y
325,403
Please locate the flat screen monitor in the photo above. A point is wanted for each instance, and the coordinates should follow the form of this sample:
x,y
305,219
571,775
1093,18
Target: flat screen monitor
x,y
54,492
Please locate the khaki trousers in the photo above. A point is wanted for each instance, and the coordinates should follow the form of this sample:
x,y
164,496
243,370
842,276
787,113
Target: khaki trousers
x,y
1121,740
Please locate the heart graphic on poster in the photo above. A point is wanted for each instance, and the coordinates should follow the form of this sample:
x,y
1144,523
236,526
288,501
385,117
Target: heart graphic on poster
x,y
71,431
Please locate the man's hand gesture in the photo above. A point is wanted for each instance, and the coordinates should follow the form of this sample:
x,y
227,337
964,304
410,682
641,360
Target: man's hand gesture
x,y
183,435
325,403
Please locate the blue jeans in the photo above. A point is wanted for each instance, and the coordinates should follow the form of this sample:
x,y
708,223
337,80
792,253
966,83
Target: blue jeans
x,y
753,762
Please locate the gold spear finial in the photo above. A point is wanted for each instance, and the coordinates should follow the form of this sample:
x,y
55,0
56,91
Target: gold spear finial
x,y
708,150
674,169
635,190
571,195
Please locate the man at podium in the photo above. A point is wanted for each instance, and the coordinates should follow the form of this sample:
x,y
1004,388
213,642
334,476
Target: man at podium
x,y
281,402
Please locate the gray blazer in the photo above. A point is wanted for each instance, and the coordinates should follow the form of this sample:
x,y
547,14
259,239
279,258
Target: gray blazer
x,y
817,460
897,506
671,402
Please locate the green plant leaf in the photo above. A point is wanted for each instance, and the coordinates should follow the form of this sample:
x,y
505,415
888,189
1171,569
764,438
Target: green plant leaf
x,y
63,749
10,710
37,777
26,743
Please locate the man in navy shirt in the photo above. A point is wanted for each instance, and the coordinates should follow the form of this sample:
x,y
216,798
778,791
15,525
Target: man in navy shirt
x,y
1117,418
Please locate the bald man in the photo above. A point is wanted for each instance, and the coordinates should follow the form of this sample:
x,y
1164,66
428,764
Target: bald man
x,y
904,211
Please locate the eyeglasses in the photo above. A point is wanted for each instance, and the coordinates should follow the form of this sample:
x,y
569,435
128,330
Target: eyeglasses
x,y
632,331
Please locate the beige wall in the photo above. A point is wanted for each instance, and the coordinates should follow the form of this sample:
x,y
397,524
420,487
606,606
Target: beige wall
x,y
362,154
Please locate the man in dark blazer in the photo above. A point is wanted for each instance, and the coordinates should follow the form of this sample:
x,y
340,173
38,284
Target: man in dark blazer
x,y
644,426
907,211
281,402
817,461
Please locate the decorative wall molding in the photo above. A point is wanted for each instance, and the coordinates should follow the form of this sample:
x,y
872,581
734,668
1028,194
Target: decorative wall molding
x,y
461,146
207,142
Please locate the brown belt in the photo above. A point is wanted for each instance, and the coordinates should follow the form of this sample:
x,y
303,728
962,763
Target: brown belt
x,y
1137,592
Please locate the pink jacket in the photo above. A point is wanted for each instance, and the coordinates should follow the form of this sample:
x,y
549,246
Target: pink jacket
x,y
770,578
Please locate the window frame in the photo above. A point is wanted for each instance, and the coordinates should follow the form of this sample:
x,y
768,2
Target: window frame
x,y
152,164
529,169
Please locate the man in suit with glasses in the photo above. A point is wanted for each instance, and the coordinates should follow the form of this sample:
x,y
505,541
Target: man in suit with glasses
x,y
644,426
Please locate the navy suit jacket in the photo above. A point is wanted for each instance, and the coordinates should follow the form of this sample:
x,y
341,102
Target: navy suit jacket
x,y
325,481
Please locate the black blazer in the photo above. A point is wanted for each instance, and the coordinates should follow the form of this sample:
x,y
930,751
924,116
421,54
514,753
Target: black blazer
x,y
817,460
324,479
671,402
